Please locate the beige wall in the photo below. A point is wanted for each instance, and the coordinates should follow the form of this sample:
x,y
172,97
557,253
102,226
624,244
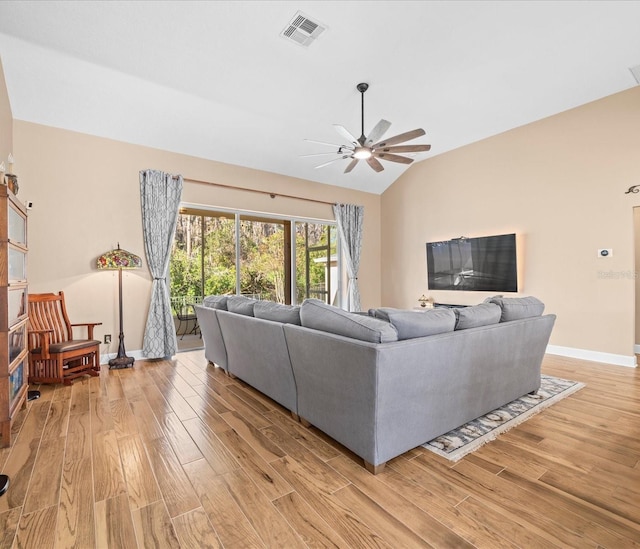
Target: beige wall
x,y
636,232
86,198
6,121
560,184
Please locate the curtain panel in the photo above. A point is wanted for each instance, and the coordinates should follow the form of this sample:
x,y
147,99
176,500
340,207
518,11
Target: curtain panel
x,y
160,198
349,219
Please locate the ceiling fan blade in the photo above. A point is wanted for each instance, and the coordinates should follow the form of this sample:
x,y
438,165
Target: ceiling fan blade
x,y
375,164
405,149
345,133
377,132
321,154
407,136
351,165
331,161
393,157
329,144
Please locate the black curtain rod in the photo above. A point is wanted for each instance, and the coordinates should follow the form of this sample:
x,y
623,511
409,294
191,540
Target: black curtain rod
x,y
247,189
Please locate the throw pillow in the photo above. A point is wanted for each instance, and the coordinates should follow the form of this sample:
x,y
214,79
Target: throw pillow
x,y
478,315
216,302
412,324
268,310
240,304
516,308
318,315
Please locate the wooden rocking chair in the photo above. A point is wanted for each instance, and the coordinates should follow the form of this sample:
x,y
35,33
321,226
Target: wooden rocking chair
x,y
54,356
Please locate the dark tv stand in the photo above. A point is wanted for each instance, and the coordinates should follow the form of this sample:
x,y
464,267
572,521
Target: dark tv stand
x,y
448,305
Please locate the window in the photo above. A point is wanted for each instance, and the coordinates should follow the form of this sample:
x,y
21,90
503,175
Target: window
x,y
221,252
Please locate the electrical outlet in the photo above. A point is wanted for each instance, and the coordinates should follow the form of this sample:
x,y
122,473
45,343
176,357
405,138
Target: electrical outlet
x,y
107,338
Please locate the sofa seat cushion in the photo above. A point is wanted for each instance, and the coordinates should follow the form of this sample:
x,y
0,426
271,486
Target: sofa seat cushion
x,y
318,315
241,305
478,315
516,308
216,302
411,324
268,310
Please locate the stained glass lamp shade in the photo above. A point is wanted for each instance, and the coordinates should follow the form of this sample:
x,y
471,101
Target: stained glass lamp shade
x,y
119,259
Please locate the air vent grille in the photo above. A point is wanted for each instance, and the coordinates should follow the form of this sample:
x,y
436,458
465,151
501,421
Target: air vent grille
x,y
302,30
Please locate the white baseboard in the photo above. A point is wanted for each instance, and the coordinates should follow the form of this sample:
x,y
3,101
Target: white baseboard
x,y
104,359
594,356
571,352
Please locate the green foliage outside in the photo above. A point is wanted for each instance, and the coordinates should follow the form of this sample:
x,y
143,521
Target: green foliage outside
x,y
262,269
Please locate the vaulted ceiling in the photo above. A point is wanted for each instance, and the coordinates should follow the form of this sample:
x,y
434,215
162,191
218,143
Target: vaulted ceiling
x,y
217,80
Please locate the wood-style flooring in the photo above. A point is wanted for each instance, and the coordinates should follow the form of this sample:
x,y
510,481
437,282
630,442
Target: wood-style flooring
x,y
177,454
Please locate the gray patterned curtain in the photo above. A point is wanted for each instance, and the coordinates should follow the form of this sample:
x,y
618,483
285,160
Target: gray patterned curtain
x,y
349,219
160,198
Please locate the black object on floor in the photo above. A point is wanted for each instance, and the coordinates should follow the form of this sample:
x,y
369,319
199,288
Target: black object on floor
x,y
33,395
4,484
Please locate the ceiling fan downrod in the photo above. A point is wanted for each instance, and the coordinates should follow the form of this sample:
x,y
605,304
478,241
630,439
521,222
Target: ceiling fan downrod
x,y
362,87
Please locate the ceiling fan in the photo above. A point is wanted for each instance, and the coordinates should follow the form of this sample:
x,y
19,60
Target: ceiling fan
x,y
372,147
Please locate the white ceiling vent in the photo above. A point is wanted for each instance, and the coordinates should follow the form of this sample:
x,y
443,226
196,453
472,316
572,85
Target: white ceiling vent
x,y
636,73
302,30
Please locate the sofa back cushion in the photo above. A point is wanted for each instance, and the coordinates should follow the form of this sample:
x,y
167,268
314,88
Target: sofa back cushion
x,y
478,315
516,308
383,312
410,324
216,302
318,315
268,310
240,304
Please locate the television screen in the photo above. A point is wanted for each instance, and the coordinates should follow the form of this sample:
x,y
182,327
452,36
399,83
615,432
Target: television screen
x,y
484,264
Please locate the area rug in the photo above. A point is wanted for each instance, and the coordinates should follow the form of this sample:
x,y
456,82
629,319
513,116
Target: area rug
x,y
469,437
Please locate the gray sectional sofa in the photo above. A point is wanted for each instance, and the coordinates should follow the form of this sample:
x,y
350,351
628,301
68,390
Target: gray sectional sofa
x,y
385,382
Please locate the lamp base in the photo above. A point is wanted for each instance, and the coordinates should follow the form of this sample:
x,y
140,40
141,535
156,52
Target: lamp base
x,y
121,362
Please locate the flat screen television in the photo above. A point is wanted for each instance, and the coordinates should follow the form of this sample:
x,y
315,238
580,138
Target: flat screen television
x,y
484,264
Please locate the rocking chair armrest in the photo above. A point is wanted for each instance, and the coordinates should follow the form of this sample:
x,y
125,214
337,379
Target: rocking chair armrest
x,y
44,341
90,326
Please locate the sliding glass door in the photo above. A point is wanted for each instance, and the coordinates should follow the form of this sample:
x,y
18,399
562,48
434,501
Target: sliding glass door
x,y
281,260
316,262
265,253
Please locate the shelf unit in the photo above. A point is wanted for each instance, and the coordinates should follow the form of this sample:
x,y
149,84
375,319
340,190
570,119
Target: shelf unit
x,y
13,310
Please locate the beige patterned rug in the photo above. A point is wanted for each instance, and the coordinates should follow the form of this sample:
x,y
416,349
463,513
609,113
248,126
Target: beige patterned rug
x,y
469,437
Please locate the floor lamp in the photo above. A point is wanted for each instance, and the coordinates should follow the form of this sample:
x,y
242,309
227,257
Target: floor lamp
x,y
117,260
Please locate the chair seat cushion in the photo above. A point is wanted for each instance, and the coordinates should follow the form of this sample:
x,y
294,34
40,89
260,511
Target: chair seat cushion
x,y
65,346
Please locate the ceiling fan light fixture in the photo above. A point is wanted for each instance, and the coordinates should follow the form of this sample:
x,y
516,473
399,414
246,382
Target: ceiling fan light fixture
x,y
362,153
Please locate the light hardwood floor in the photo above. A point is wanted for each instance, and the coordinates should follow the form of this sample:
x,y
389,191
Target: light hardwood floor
x,y
176,454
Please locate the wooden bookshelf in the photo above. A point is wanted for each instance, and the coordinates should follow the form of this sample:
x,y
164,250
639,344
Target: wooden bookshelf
x,y
13,310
